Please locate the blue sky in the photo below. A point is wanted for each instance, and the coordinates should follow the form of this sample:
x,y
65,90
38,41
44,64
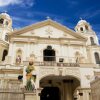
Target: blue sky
x,y
67,12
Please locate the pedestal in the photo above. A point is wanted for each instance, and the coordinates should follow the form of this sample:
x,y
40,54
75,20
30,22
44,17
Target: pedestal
x,y
33,95
84,93
68,90
30,96
39,93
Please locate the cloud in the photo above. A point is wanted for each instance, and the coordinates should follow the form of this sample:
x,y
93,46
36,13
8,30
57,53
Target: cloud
x,y
24,20
27,3
22,3
17,22
88,13
9,2
72,3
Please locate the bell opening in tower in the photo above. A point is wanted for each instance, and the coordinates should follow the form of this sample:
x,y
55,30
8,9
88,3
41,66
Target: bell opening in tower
x,y
1,21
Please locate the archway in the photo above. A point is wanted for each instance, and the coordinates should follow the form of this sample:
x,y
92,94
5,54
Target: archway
x,y
92,40
50,93
58,87
5,53
97,58
49,54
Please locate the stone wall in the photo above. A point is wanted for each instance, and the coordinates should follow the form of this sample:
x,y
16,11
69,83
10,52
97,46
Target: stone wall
x,y
95,89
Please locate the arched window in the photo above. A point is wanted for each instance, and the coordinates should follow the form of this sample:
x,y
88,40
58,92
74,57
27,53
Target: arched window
x,y
6,37
97,59
77,56
92,41
81,28
7,23
18,56
86,27
5,52
1,21
49,54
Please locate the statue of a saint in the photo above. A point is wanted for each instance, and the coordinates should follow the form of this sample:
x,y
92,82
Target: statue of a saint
x,y
30,85
18,59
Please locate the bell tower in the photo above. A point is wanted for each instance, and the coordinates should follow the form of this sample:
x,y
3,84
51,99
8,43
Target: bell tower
x,y
84,28
5,29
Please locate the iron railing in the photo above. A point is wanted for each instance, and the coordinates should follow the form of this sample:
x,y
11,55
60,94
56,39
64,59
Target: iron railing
x,y
58,64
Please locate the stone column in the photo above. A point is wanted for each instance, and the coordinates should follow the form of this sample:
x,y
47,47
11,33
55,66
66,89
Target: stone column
x,y
84,94
1,53
68,90
38,92
8,59
81,96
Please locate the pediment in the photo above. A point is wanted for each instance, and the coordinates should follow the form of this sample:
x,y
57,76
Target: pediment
x,y
48,28
48,31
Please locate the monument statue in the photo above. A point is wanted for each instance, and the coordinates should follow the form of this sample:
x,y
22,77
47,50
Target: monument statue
x,y
30,84
18,59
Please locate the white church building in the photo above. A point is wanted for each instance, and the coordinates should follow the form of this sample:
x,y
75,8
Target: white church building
x,y
65,61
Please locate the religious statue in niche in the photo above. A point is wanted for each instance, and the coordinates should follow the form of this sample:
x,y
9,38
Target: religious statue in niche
x,y
30,84
80,59
77,60
18,59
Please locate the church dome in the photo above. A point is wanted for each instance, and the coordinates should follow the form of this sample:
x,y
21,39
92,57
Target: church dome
x,y
82,21
5,15
5,20
83,26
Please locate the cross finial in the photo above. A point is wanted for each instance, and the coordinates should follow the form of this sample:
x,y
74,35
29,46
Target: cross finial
x,y
48,17
80,18
5,11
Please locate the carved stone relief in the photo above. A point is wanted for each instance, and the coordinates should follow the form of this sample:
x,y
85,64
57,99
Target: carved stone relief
x,y
59,71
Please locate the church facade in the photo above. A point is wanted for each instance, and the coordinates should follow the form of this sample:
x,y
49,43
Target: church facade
x,y
65,61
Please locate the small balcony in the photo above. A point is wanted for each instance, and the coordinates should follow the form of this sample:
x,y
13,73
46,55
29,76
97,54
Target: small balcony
x,y
59,64
59,61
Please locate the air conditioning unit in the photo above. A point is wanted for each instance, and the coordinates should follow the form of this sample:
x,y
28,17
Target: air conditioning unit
x,y
61,59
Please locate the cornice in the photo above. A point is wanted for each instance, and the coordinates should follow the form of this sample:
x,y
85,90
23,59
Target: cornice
x,y
11,71
43,40
3,43
94,46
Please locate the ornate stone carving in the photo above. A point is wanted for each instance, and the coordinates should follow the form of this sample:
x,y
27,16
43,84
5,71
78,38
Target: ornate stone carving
x,y
72,72
57,71
49,31
46,72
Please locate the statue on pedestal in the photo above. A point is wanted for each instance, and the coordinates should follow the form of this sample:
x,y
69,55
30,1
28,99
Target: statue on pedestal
x,y
30,85
18,59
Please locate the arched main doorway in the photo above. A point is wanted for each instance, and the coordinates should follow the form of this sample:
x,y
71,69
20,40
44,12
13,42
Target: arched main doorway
x,y
58,87
49,54
50,93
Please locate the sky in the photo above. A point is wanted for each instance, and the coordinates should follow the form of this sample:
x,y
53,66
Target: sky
x,y
66,12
